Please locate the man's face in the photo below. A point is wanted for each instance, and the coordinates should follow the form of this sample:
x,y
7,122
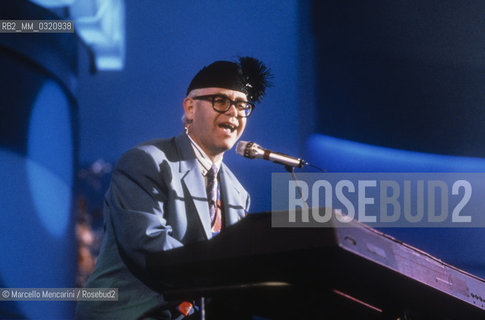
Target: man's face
x,y
214,132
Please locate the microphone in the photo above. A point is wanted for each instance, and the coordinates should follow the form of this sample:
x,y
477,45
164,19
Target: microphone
x,y
252,150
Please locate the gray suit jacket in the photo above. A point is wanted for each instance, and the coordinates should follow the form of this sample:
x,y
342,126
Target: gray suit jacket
x,y
156,201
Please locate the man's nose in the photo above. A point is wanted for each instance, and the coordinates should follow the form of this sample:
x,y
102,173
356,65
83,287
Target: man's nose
x,y
232,110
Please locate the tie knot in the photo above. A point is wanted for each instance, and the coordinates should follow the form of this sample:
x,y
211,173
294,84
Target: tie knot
x,y
212,173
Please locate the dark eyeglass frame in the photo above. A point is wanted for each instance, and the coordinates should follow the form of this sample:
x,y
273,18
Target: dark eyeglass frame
x,y
212,97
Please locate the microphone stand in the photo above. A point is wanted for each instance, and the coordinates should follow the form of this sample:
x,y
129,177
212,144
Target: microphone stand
x,y
291,170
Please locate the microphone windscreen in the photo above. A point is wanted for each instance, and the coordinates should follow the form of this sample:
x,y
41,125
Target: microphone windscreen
x,y
241,148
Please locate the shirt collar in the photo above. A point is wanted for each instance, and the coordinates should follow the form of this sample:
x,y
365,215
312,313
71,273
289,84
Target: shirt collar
x,y
205,163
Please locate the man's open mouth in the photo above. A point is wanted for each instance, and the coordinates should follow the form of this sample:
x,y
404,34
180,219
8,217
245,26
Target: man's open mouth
x,y
229,126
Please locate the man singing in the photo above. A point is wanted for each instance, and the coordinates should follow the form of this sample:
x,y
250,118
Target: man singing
x,y
167,193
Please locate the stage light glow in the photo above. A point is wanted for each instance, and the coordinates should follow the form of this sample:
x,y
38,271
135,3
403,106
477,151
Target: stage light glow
x,y
101,25
53,3
50,158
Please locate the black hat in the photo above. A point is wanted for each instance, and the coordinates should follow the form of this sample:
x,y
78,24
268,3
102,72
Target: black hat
x,y
249,76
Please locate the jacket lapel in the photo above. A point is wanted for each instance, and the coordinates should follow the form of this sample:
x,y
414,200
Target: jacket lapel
x,y
193,182
232,197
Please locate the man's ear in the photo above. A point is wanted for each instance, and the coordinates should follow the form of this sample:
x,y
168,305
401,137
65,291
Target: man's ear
x,y
189,105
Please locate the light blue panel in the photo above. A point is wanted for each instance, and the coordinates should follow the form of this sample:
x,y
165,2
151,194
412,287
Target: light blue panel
x,y
339,155
50,154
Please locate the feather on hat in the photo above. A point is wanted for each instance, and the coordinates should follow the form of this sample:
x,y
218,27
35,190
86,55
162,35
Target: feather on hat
x,y
249,76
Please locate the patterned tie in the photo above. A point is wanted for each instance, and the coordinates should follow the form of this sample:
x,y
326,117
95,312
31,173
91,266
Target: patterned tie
x,y
214,204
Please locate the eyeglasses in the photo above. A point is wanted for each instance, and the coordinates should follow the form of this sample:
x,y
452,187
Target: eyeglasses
x,y
222,103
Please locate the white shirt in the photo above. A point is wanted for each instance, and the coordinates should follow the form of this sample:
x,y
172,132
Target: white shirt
x,y
205,163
